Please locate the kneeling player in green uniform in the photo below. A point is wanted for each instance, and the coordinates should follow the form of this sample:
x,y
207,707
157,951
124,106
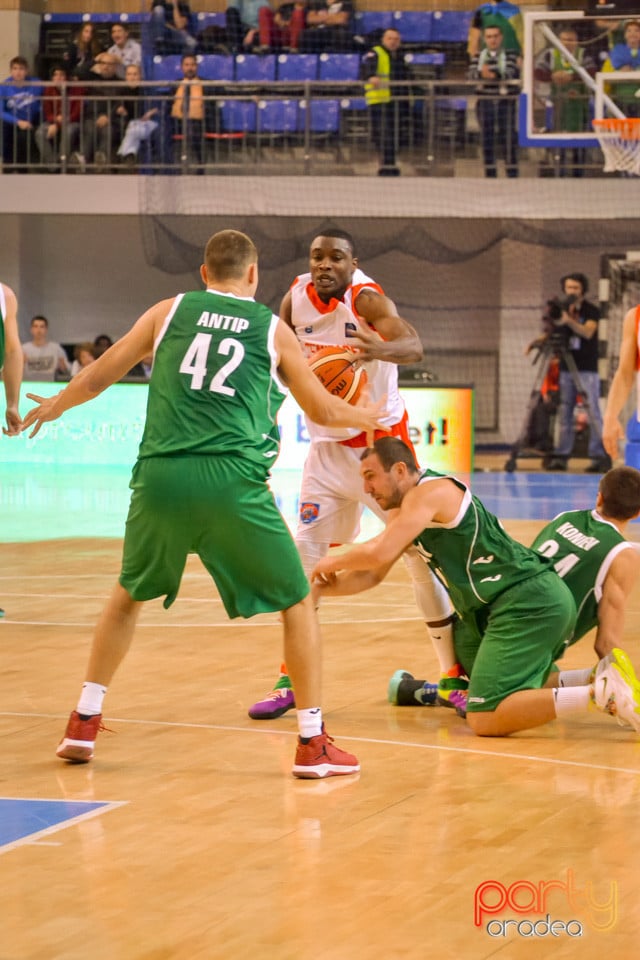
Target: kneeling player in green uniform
x,y
222,365
590,552
516,614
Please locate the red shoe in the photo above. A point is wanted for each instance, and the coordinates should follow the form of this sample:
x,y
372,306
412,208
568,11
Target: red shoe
x,y
79,738
318,757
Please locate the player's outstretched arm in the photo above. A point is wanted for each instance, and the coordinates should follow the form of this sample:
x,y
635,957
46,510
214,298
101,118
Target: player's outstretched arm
x,y
13,363
107,369
335,572
392,338
619,582
621,386
321,406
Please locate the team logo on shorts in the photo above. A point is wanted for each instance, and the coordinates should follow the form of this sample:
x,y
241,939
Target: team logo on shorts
x,y
309,512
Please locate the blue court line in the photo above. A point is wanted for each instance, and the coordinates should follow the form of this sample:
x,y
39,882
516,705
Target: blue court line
x,y
27,820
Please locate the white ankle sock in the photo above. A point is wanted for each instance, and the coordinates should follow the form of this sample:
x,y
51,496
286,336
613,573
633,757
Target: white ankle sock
x,y
310,722
575,678
91,698
571,700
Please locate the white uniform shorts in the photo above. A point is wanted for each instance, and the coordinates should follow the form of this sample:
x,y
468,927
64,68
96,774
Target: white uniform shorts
x,y
332,495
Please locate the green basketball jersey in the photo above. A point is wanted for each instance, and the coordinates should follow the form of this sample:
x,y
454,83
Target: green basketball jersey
x,y
582,546
214,387
474,554
3,310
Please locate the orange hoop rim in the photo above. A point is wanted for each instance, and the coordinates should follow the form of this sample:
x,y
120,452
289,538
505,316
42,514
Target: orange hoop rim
x,y
626,127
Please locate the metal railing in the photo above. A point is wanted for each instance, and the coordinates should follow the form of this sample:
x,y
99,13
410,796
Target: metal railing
x,y
299,128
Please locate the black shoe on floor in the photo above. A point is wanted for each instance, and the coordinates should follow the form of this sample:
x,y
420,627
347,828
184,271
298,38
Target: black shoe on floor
x,y
557,463
601,465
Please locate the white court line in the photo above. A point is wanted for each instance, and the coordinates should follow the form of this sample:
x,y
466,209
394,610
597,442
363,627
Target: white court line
x,y
335,602
468,751
190,626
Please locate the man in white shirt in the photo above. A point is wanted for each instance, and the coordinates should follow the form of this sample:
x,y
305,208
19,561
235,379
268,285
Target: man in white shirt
x,y
127,51
43,358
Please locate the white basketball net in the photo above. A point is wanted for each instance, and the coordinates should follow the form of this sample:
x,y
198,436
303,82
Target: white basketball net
x,y
620,143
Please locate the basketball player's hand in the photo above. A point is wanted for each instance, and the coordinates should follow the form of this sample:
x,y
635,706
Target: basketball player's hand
x,y
369,346
44,412
14,423
374,412
319,586
612,434
323,575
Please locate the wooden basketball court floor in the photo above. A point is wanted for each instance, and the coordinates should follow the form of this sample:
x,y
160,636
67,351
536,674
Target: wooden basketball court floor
x,y
188,839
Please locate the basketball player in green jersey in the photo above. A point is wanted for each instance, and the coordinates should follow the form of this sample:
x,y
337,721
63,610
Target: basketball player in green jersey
x,y
222,364
516,614
11,362
590,552
11,359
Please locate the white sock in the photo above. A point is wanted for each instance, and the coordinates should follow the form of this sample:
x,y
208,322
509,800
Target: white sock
x,y
91,698
442,640
571,700
310,722
575,678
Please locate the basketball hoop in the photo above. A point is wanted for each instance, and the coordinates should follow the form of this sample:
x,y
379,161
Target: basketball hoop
x,y
619,139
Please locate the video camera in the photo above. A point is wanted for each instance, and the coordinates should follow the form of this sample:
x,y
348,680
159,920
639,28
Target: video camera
x,y
556,307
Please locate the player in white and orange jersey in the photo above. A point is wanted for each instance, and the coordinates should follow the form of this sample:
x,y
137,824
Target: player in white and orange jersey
x,y
336,303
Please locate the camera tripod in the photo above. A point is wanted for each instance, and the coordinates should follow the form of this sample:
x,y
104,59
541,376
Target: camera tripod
x,y
552,348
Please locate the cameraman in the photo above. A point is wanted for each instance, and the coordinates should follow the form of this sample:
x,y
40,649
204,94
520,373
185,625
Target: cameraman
x,y
577,320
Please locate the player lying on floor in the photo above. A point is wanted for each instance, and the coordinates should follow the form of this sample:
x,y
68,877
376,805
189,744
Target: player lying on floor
x,y
516,614
590,552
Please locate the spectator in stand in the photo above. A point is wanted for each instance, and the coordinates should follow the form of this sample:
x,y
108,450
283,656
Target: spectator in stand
x,y
43,358
496,67
496,13
125,48
171,27
569,94
20,103
142,371
59,133
83,355
101,344
281,29
82,49
254,24
624,58
188,112
100,129
382,66
329,27
243,25
137,117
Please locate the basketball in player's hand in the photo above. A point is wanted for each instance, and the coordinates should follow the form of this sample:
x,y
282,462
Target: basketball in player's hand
x,y
335,368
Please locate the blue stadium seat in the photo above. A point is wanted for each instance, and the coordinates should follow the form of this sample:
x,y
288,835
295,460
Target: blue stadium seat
x,y
451,26
426,63
324,115
414,25
339,66
278,116
297,67
95,17
238,116
255,69
369,20
211,20
167,68
216,66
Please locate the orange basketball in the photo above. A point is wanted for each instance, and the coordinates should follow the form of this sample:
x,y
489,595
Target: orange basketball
x,y
335,368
